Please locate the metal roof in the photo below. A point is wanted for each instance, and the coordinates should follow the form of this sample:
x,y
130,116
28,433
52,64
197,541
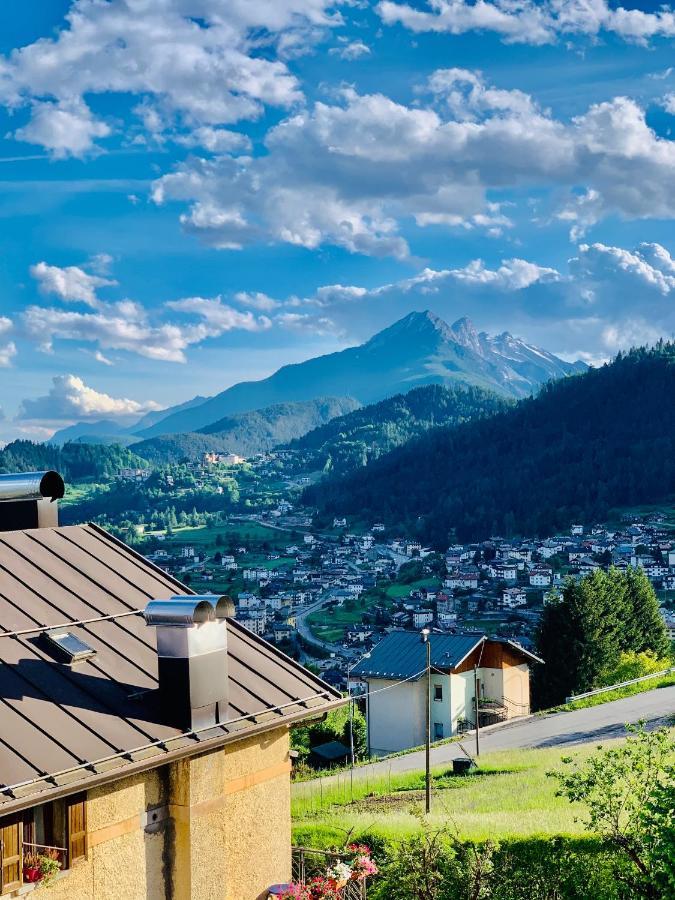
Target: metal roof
x,y
402,654
66,727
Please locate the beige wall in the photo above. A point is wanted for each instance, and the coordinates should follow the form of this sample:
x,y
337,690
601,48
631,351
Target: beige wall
x,y
223,829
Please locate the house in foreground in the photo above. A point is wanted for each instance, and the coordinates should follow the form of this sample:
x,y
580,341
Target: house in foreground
x,y
395,673
144,734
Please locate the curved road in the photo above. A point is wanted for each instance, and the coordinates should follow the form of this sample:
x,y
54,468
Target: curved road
x,y
598,723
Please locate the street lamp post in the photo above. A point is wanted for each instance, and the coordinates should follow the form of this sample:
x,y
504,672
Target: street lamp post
x,y
427,749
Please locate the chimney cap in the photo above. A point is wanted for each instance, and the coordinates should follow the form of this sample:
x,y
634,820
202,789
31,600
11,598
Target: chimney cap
x,y
32,485
187,610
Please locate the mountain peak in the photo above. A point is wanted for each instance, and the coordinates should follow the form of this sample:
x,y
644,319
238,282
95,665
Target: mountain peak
x,y
463,331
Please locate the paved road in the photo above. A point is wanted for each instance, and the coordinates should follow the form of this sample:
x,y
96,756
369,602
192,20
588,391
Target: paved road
x,y
554,730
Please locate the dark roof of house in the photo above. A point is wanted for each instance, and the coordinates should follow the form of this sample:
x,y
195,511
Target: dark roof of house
x,y
403,655
66,727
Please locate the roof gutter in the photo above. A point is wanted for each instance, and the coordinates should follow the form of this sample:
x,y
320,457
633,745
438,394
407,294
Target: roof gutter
x,y
155,762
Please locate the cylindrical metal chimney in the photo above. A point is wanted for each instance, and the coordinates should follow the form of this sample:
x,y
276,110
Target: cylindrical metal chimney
x,y
28,500
192,658
32,486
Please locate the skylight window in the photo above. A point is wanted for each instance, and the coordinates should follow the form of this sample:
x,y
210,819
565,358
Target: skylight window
x,y
69,646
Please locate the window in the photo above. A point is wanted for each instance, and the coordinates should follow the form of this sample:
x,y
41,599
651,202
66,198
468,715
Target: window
x,y
58,828
69,646
438,731
438,692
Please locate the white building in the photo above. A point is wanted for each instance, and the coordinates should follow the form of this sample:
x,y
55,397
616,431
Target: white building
x,y
422,617
513,597
540,578
396,717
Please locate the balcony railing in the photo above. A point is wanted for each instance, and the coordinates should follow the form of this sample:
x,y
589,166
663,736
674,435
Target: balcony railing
x,y
308,862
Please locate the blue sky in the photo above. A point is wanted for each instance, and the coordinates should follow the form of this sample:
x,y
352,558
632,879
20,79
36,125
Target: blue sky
x,y
195,192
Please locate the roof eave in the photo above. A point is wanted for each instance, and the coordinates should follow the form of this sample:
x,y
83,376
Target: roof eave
x,y
147,765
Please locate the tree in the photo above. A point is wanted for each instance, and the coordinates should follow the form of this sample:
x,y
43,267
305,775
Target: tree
x,y
583,633
628,792
647,628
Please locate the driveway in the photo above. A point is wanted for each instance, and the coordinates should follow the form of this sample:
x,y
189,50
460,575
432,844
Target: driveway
x,y
554,730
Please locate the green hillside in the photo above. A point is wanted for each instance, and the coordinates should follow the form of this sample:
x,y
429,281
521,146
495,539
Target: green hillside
x,y
355,439
246,433
582,447
74,461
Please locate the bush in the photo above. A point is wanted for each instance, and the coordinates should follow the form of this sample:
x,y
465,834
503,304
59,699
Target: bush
x,y
434,866
635,665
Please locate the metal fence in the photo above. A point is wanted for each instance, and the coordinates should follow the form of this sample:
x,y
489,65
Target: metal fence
x,y
308,862
621,684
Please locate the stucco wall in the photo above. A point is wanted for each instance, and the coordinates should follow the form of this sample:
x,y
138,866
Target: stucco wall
x,y
396,718
223,829
461,697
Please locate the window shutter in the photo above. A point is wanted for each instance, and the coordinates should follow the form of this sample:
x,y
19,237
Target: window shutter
x,y
77,828
11,836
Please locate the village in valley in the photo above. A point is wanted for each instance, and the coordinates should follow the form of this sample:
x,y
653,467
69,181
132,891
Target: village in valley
x,y
329,596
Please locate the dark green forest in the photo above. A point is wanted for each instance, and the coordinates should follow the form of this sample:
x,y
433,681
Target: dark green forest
x,y
74,461
358,438
582,447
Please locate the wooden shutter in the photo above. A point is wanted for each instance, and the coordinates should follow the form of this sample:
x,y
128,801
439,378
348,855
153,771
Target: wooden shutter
x,y
11,847
77,828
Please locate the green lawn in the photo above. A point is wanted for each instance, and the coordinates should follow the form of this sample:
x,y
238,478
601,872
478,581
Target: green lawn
x,y
396,591
510,796
244,532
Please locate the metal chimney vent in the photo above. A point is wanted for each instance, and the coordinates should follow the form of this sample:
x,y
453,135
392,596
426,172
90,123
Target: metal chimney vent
x,y
28,500
192,658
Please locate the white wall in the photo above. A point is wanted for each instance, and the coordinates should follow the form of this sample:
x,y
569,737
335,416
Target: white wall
x,y
396,717
461,697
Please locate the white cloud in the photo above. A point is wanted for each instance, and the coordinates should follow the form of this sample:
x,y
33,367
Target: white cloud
x,y
350,50
71,283
218,315
216,140
70,399
317,325
530,22
669,104
193,63
256,300
349,173
649,268
7,353
65,128
512,275
130,327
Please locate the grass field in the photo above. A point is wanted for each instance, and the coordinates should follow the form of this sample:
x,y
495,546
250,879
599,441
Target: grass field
x,y
246,533
510,796
396,591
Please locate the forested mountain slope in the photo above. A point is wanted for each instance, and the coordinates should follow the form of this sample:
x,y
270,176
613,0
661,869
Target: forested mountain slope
x,y
247,433
355,439
583,446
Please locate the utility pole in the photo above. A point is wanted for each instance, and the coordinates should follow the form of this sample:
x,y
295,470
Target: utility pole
x,y
475,700
427,748
351,721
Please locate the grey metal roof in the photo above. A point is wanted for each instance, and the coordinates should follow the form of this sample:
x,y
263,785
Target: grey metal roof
x,y
63,727
402,654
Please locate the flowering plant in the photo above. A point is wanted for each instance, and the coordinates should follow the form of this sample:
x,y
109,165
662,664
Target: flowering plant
x,y
341,872
363,865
